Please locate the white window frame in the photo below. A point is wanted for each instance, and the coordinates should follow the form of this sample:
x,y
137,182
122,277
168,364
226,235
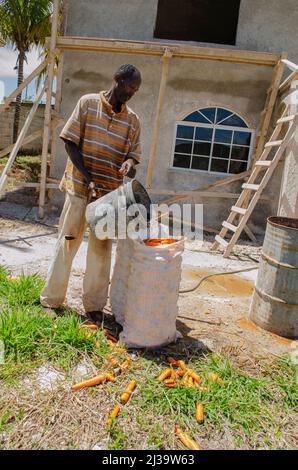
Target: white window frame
x,y
214,127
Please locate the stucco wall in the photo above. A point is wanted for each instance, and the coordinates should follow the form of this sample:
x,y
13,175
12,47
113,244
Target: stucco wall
x,y
264,25
191,84
269,25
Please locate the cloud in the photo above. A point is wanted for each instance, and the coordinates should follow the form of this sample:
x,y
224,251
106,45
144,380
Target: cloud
x,y
8,59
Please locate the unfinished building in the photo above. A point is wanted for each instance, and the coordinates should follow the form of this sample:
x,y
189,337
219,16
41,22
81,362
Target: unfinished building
x,y
213,87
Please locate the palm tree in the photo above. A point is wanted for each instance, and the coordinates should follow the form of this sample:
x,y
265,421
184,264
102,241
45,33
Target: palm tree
x,y
24,24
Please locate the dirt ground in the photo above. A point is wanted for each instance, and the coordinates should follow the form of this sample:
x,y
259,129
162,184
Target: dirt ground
x,y
214,316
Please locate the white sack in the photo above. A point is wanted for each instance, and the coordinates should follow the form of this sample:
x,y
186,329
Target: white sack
x,y
144,292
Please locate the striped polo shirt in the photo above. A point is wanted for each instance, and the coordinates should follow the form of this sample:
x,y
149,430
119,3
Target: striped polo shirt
x,y
105,138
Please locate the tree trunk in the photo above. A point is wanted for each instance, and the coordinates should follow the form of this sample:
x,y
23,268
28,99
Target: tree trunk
x,y
19,97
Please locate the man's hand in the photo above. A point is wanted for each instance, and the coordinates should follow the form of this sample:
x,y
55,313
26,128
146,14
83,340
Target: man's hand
x,y
127,166
91,191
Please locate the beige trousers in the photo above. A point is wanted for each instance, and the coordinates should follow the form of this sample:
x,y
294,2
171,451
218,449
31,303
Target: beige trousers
x,y
97,275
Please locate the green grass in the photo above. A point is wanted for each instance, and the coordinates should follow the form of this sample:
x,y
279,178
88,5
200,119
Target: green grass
x,y
256,408
32,337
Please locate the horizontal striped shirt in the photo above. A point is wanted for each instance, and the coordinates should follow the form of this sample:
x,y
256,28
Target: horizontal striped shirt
x,y
105,139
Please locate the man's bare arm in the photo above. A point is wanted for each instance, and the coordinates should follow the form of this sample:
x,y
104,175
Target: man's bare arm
x,y
77,159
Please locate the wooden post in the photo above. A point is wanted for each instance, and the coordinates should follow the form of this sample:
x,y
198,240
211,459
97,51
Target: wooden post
x,y
58,99
19,141
47,121
153,151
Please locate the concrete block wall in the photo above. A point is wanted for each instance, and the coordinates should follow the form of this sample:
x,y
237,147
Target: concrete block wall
x,y
6,126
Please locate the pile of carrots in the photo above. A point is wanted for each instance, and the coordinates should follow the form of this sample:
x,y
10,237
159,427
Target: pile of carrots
x,y
177,375
184,376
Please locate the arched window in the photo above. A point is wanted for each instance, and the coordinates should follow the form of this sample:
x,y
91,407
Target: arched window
x,y
213,140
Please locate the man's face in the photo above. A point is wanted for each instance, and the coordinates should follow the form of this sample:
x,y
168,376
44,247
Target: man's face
x,y
126,88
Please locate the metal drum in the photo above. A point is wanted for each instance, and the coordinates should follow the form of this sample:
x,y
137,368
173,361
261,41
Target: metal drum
x,y
274,304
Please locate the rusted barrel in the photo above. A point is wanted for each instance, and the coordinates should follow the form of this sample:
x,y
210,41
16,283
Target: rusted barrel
x,y
274,304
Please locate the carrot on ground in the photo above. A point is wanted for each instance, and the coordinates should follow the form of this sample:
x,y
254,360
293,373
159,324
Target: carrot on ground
x,y
113,361
109,377
186,440
182,365
195,376
173,361
113,415
213,377
180,373
199,413
90,383
89,327
109,336
128,391
125,364
165,375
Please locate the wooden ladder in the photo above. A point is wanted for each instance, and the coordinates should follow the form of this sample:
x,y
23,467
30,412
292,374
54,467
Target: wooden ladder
x,y
252,190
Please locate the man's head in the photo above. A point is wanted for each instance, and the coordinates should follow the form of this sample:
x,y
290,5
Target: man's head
x,y
127,82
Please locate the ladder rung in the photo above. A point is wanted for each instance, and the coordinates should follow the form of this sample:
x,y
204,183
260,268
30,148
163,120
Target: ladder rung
x,y
231,227
221,241
263,163
251,187
239,210
286,119
275,143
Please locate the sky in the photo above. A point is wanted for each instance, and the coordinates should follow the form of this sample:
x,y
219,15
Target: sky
x,y
8,76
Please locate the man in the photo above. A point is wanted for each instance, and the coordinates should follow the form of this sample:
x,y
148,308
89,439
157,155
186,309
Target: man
x,y
102,139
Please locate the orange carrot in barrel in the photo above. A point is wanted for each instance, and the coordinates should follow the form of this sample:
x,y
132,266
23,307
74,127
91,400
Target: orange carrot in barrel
x,y
128,391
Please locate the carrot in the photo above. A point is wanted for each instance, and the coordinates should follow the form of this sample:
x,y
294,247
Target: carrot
x,y
202,389
169,381
186,440
215,378
125,364
171,385
89,327
190,381
109,336
109,377
113,361
182,365
195,377
165,374
128,391
173,362
113,415
180,373
90,383
184,381
199,413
